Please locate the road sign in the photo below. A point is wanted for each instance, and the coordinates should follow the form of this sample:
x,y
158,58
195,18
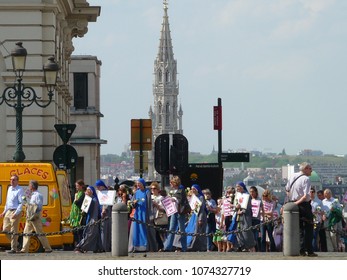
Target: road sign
x,y
217,117
65,156
234,157
65,131
141,134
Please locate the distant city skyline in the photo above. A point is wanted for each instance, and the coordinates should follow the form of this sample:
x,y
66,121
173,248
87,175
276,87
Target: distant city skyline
x,y
305,151
278,66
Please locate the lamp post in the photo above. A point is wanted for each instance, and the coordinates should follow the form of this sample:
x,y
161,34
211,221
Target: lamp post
x,y
19,96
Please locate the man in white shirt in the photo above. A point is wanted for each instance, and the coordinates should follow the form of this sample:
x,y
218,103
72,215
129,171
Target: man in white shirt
x,y
13,212
298,191
33,222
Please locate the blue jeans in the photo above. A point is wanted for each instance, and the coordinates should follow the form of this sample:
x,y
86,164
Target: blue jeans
x,y
269,228
176,220
210,228
316,230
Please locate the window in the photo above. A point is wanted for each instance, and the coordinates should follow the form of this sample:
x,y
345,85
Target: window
x,y
80,90
64,190
159,113
167,77
42,189
167,115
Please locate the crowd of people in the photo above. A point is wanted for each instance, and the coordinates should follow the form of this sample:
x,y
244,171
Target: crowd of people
x,y
188,218
240,220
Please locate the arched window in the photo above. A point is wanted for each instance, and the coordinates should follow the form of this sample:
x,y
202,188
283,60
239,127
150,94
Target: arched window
x,y
167,76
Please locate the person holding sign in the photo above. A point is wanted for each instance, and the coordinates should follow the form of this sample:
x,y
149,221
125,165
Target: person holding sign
x,y
178,216
91,240
245,238
106,211
257,213
196,223
160,216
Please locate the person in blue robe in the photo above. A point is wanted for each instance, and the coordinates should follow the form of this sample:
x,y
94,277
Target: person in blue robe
x,y
142,233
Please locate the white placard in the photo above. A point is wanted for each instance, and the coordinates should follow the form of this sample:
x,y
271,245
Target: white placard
x,y
242,199
106,197
86,203
195,203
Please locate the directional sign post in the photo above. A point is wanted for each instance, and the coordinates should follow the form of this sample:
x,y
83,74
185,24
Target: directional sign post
x,y
234,157
141,138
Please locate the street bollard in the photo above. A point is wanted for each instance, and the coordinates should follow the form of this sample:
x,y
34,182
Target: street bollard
x,y
119,230
291,231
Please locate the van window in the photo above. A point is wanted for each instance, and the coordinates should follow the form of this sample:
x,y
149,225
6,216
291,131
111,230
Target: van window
x,y
64,189
42,189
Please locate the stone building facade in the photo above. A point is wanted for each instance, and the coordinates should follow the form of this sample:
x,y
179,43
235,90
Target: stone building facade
x,y
46,28
85,113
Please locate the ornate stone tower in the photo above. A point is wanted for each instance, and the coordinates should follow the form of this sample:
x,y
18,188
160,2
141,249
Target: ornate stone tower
x,y
166,114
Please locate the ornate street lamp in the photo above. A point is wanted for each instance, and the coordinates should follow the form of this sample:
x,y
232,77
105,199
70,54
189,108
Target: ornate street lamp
x,y
19,96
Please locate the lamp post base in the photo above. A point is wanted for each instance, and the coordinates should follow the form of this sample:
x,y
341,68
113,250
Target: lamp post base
x,y
19,156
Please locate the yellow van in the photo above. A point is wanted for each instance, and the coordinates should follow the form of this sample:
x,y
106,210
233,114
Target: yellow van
x,y
54,186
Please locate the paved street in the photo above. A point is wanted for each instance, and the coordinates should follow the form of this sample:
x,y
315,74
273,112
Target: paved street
x,y
70,255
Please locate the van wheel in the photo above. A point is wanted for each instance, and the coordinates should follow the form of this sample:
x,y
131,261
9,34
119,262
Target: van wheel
x,y
35,245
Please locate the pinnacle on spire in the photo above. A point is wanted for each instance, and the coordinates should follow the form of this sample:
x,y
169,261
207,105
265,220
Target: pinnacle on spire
x,y
165,52
166,3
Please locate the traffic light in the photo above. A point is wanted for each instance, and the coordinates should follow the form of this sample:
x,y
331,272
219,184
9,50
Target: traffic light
x,y
161,154
179,154
171,159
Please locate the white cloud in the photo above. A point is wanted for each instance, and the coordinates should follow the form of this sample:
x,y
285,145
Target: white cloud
x,y
307,13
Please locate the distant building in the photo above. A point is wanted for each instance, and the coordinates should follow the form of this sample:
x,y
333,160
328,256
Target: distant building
x,y
287,171
308,152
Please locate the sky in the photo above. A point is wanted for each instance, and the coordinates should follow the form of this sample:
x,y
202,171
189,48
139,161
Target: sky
x,y
279,67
